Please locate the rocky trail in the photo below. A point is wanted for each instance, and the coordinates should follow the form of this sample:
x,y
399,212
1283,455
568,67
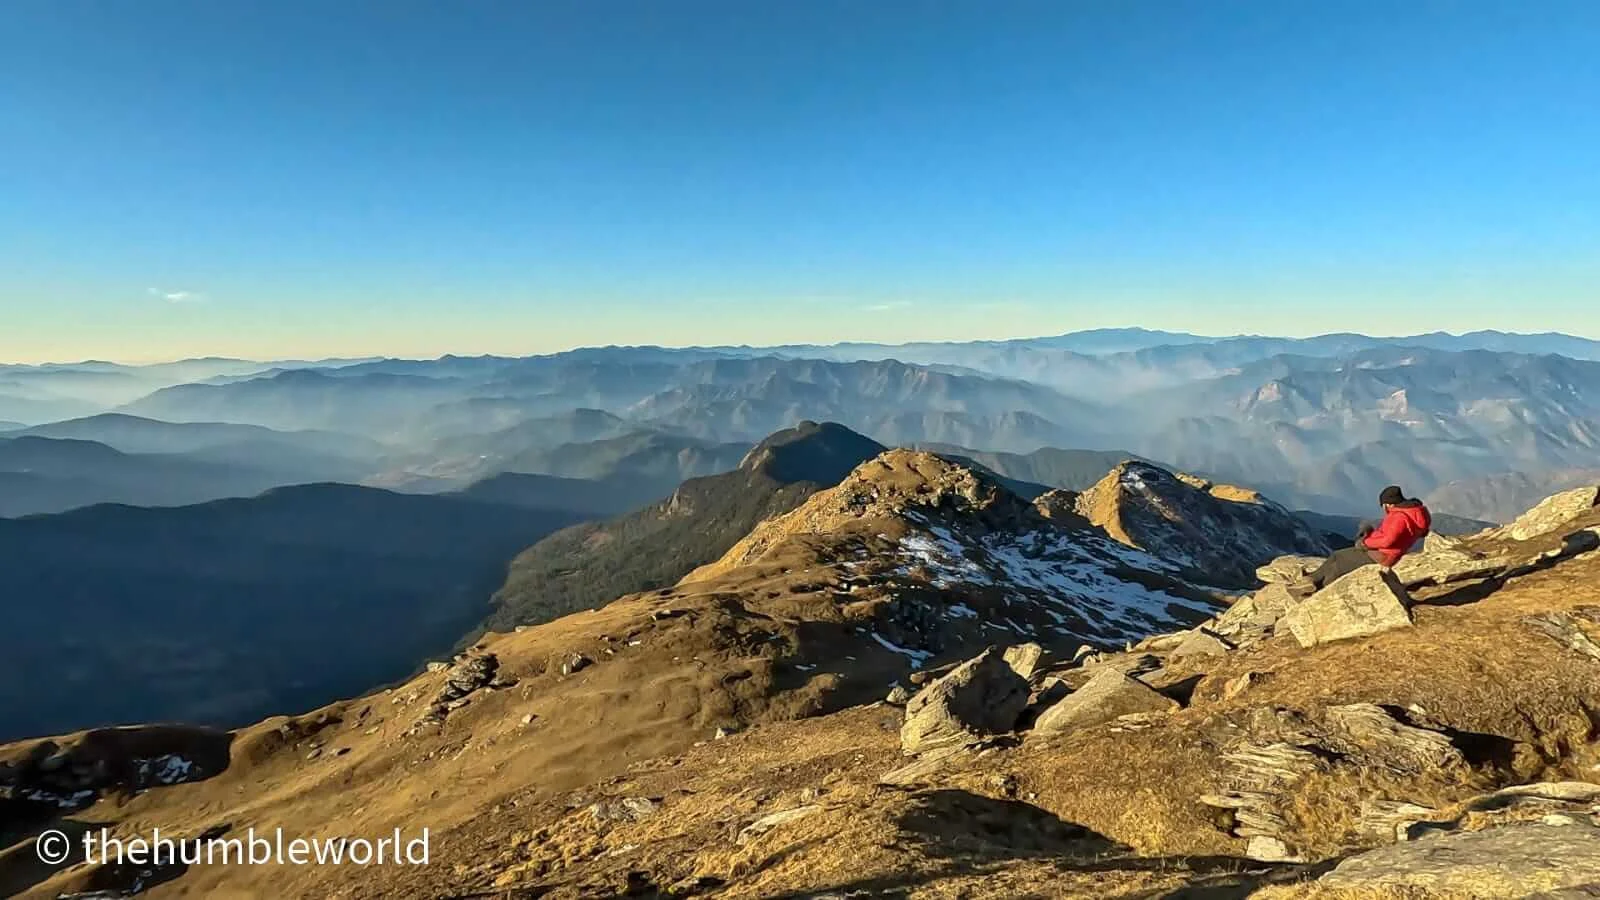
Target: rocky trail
x,y
918,685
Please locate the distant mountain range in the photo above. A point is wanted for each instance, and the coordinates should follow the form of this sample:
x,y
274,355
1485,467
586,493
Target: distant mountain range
x,y
1320,422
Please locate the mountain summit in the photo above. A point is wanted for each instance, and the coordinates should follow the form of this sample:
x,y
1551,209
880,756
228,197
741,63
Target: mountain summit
x,y
1218,531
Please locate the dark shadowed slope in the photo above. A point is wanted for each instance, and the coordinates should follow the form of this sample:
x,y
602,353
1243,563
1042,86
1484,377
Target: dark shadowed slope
x,y
592,564
45,475
232,610
589,497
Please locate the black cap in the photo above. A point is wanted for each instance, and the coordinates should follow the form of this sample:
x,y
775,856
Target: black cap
x,y
1391,495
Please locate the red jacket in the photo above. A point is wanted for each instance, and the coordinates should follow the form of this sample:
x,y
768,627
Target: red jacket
x,y
1402,527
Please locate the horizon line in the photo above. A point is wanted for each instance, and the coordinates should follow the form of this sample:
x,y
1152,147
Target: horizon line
x,y
1198,338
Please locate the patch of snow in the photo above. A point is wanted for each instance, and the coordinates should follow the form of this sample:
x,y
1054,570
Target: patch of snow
x,y
68,801
165,770
917,656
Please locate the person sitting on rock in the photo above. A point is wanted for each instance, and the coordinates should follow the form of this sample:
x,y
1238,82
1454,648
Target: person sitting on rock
x,y
1405,521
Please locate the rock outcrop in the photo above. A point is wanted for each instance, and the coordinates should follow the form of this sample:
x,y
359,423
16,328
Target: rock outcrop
x,y
1534,859
1552,513
1108,696
1368,601
1288,569
1220,531
980,698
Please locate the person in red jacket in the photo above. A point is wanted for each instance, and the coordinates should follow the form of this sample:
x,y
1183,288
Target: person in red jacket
x,y
1405,521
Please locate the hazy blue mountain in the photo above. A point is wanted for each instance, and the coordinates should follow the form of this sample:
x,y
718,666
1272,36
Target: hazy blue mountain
x,y
44,475
226,612
1504,496
133,434
1334,430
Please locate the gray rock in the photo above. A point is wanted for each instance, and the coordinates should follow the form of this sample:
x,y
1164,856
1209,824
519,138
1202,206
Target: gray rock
x,y
1367,733
1566,629
1368,601
1162,643
1024,659
577,662
1552,513
1434,542
767,823
628,809
1445,566
1201,642
1287,569
981,697
1510,861
1107,696
1270,849
898,696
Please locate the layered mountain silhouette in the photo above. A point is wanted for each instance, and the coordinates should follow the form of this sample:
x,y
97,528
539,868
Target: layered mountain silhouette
x,y
224,612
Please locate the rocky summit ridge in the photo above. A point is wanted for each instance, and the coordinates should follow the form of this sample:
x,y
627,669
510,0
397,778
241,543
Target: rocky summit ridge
x,y
916,683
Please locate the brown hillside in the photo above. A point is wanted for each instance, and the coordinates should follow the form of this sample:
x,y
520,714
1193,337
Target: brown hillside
x,y
608,777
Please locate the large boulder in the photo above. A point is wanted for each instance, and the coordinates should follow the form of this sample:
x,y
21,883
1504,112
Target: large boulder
x,y
1107,696
983,696
1368,601
1512,861
1201,642
1552,513
1288,569
1445,566
1025,659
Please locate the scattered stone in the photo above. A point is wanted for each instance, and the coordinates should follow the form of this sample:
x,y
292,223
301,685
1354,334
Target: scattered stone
x,y
724,733
1563,628
1367,733
1024,659
1236,686
1201,642
1287,569
924,768
315,752
1107,696
1368,601
1510,861
980,697
1160,643
1133,665
577,662
1390,820
527,719
898,696
628,809
767,823
1270,849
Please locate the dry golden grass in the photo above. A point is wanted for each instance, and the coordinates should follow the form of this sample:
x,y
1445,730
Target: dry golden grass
x,y
1096,813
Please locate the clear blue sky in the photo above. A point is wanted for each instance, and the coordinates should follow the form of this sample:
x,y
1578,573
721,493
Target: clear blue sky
x,y
294,178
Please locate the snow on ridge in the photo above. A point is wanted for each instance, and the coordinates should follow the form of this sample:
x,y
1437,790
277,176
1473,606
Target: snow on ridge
x,y
1070,571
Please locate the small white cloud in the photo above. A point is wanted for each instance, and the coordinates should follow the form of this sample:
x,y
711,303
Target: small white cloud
x,y
176,296
889,307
